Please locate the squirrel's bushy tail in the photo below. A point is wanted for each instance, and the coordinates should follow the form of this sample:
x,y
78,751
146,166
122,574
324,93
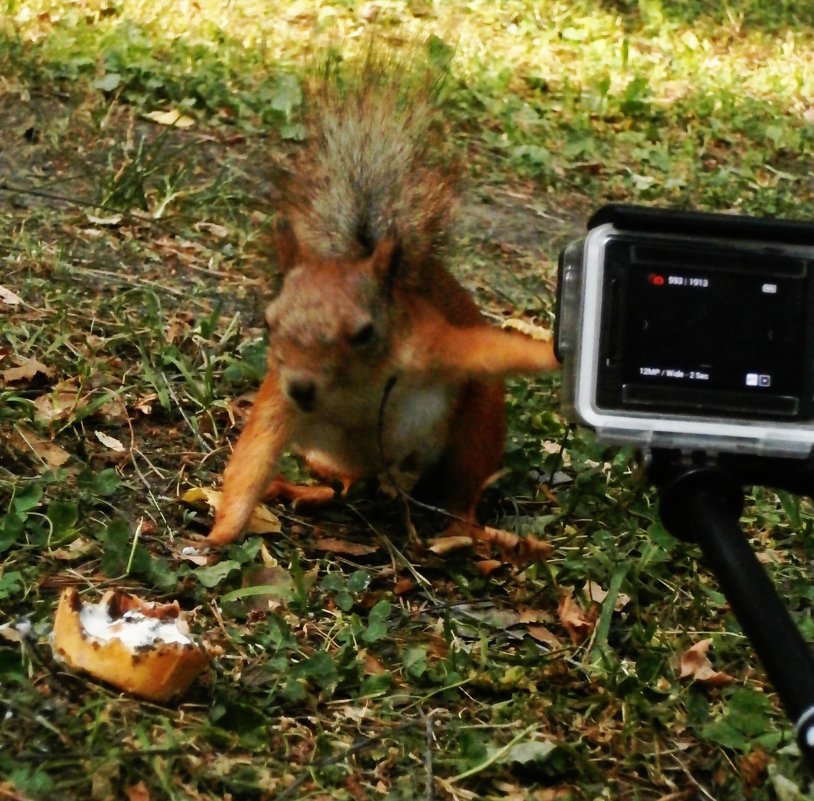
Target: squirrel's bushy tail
x,y
376,163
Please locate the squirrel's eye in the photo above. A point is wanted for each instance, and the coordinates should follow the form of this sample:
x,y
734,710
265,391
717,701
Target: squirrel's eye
x,y
363,336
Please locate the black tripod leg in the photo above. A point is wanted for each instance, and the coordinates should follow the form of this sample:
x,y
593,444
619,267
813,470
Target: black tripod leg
x,y
696,507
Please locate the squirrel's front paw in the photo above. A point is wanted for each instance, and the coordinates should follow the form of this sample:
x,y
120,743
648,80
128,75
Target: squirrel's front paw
x,y
221,535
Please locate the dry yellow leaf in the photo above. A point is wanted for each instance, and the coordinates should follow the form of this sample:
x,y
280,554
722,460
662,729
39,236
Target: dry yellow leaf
x,y
529,329
262,521
173,118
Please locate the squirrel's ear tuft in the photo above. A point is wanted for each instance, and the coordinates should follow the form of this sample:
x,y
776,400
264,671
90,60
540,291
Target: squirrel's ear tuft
x,y
386,258
288,248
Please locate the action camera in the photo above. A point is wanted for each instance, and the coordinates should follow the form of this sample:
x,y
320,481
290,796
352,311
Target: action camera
x,y
690,331
691,337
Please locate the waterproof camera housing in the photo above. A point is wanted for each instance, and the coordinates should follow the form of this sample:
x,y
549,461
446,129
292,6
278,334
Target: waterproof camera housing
x,y
690,331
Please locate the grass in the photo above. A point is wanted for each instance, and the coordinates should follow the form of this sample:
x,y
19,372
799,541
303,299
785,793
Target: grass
x,y
138,253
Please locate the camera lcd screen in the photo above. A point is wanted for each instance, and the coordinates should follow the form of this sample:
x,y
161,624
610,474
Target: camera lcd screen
x,y
687,329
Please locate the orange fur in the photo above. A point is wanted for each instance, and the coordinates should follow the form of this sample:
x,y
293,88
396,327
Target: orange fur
x,y
380,364
435,345
253,461
454,370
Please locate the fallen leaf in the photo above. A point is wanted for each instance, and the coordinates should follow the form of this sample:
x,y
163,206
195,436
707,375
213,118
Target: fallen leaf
x,y
514,548
452,790
524,752
696,665
266,558
444,545
108,82
577,623
112,219
491,616
219,231
550,794
334,545
528,614
262,521
9,298
54,406
510,792
372,666
110,442
265,782
25,371
172,118
113,409
544,635
62,401
488,566
198,494
137,792
263,586
177,327
15,632
25,439
190,553
753,766
769,556
437,646
77,549
145,403
598,595
555,448
404,585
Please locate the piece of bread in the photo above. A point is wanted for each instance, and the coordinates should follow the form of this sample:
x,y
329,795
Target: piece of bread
x,y
141,647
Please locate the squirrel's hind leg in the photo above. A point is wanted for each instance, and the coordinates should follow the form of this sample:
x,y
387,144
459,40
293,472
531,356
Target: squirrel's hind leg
x,y
473,452
299,495
473,455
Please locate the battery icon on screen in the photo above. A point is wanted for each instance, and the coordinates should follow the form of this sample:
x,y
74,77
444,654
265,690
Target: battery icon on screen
x,y
758,380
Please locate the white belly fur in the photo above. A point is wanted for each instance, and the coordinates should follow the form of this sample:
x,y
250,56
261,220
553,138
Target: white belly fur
x,y
420,423
416,423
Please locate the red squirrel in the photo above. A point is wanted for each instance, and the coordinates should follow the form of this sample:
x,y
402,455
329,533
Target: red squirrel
x,y
380,363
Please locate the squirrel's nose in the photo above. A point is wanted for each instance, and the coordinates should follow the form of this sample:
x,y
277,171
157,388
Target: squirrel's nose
x,y
303,391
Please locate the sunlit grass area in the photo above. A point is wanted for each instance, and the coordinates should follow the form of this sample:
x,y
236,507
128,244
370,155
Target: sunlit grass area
x,y
625,98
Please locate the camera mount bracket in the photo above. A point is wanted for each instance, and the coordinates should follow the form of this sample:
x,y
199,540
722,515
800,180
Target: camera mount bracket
x,y
701,501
